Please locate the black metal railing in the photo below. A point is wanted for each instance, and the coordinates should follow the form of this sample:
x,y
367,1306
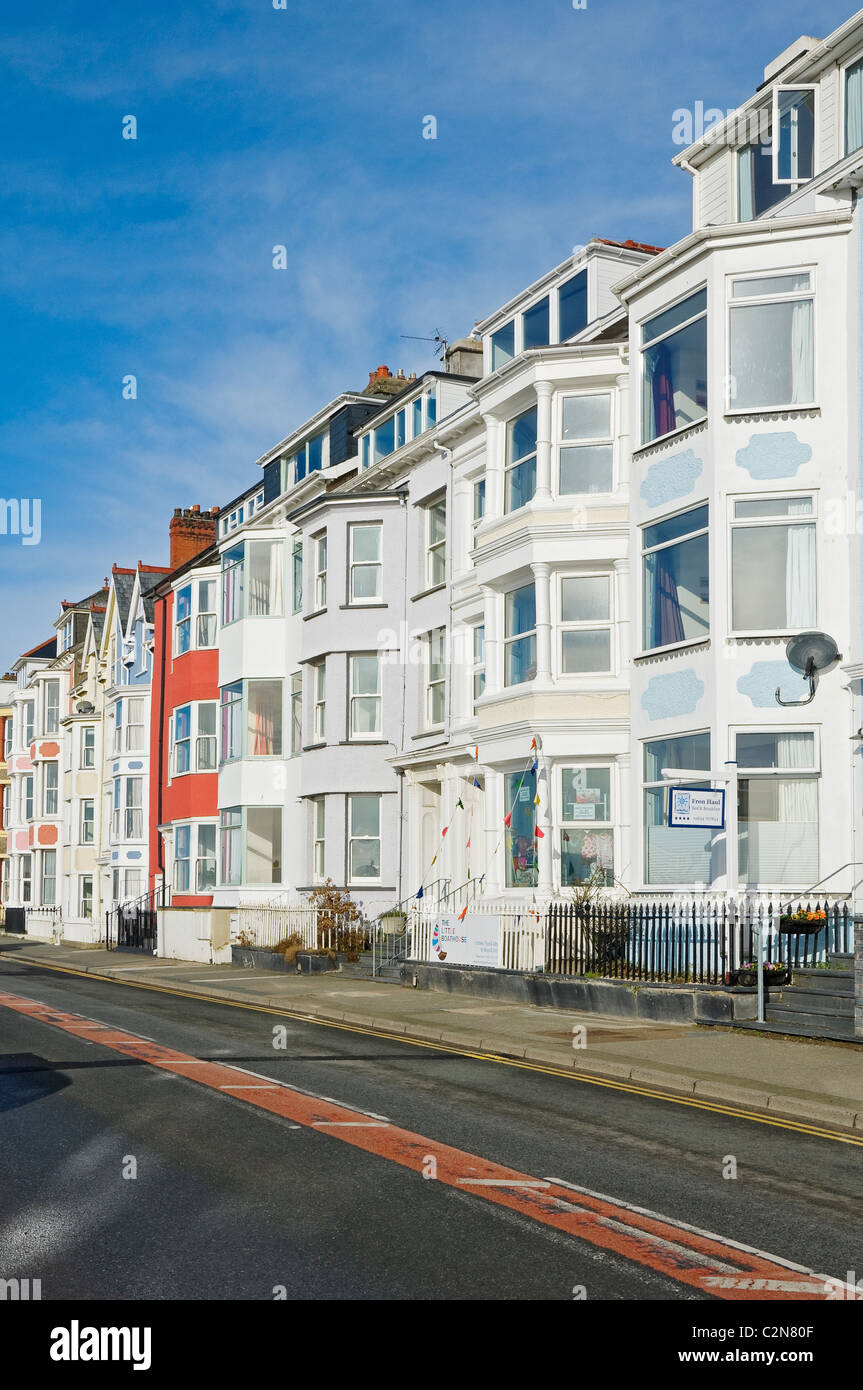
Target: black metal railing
x,y
133,926
688,941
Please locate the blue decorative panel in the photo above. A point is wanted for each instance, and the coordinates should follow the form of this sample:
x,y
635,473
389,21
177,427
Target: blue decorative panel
x,y
760,684
671,478
671,695
116,854
134,854
135,766
116,767
775,455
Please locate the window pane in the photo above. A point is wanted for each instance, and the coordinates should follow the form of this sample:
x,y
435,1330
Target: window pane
x,y
757,286
773,577
365,815
671,318
676,593
366,543
674,855
417,414
586,651
184,603
586,417
776,750
521,867
774,506
675,381
572,306
520,661
691,753
520,485
777,827
521,436
586,794
582,852
586,599
796,112
682,525
365,674
182,722
265,579
502,345
385,439
772,358
263,844
854,108
264,710
586,469
536,331
366,581
315,452
520,610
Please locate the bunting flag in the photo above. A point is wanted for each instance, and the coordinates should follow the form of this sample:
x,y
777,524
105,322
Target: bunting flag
x,y
434,861
460,803
507,820
467,846
476,783
420,893
533,744
463,913
443,833
476,753
540,834
536,799
535,767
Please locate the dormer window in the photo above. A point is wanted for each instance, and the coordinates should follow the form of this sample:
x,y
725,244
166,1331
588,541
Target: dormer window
x,y
793,134
417,416
385,437
572,306
535,322
854,107
503,345
401,426
756,191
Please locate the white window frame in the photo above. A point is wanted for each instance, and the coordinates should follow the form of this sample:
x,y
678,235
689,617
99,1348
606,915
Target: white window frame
x,y
82,879
810,519
376,734
781,87
509,641
561,443
320,543
87,822
755,301
319,690
809,774
586,625
297,573
478,664
296,712
88,748
434,548
509,466
51,793
319,849
353,563
195,738
644,345
682,777
662,545
562,825
352,839
437,636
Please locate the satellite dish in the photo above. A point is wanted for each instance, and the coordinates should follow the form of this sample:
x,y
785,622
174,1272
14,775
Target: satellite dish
x,y
809,653
84,707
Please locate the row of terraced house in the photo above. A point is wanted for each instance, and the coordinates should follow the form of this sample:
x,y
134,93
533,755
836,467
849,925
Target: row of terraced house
x,y
465,628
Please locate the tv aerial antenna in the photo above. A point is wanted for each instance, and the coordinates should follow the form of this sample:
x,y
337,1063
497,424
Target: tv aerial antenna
x,y
441,343
809,653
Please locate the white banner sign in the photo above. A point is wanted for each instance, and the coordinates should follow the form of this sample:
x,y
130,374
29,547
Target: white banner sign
x,y
698,809
473,941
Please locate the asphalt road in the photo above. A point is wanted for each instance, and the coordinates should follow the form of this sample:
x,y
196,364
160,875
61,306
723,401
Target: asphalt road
x,y
231,1202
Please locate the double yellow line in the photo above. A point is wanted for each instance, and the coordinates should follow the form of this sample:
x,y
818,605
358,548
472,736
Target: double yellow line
x,y
731,1111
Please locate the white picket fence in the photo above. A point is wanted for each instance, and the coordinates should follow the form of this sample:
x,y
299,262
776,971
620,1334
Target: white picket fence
x,y
264,924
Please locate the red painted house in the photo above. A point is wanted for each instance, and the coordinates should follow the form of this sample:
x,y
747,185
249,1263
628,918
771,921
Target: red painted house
x,y
183,753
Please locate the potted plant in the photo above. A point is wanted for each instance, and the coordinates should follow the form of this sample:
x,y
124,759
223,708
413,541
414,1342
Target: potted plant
x,y
776,972
393,921
803,923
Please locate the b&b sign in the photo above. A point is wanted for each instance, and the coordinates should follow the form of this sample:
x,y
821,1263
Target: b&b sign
x,y
696,809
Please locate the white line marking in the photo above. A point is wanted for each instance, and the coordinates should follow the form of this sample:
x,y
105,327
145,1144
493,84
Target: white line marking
x,y
240,1087
503,1182
347,1124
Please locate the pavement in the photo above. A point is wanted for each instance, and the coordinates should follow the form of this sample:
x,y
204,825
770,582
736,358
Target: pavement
x,y
806,1081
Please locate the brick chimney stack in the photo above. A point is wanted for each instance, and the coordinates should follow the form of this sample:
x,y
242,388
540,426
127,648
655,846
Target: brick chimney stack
x,y
191,531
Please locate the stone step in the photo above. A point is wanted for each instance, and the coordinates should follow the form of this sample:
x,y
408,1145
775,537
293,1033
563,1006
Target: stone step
x,y
803,1007
841,960
839,1029
808,981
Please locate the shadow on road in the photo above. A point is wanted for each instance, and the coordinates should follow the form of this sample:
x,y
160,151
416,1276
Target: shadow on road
x,y
25,1077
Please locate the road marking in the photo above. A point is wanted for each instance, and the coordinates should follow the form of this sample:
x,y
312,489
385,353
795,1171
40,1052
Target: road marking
x,y
734,1112
240,1087
701,1260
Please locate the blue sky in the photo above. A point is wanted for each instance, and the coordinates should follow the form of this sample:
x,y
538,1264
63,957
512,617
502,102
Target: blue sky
x,y
300,127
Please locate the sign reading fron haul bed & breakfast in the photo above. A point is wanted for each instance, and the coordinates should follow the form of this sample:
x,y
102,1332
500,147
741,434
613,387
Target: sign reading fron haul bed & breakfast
x,y
696,808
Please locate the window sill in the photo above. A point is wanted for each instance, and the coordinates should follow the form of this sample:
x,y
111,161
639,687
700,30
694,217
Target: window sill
x,y
307,617
363,743
424,593
310,747
354,606
430,733
770,412
670,650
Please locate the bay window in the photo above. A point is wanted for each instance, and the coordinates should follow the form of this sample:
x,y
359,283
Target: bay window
x,y
521,860
520,635
365,696
435,543
263,844
296,713
773,573
205,859
675,854
297,577
49,878
194,728
520,474
88,821
183,620
674,367
264,563
263,718
756,191
182,858
771,341
85,896
195,614
182,740
26,878
777,808
587,448
478,669
88,746
366,570
231,838
385,438
586,833
364,838
251,846
435,705
585,622
320,711
232,585
52,792
232,725
321,571
676,579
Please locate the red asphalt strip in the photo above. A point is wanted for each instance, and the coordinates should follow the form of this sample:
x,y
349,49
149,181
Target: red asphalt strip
x,y
703,1261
